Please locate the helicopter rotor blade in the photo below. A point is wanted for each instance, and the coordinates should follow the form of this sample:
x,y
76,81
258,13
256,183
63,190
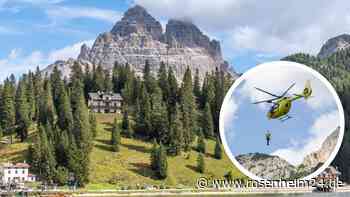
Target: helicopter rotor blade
x,y
285,92
266,92
265,101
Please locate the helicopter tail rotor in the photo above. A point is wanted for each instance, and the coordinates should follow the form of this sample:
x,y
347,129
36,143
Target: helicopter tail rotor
x,y
307,90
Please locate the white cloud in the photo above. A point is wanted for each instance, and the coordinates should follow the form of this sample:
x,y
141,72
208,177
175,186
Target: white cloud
x,y
68,52
61,12
279,27
319,131
18,63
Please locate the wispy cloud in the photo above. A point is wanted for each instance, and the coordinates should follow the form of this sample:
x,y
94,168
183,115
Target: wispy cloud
x,y
62,12
17,63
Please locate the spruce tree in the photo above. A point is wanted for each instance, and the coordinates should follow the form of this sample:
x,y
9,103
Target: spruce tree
x,y
160,123
93,123
22,111
154,156
172,92
38,89
163,81
47,108
48,162
115,141
143,116
188,109
200,163
7,111
31,95
176,133
162,162
207,121
125,123
196,87
218,149
64,110
201,146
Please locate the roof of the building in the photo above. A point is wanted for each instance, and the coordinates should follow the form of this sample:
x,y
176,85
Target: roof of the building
x,y
105,96
17,165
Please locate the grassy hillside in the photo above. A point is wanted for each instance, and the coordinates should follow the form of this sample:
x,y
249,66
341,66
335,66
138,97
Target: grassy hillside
x,y
131,166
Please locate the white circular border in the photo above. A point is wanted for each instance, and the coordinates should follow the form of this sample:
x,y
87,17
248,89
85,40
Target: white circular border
x,y
318,76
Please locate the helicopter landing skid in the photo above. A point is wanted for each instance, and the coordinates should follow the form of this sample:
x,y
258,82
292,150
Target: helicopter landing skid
x,y
284,118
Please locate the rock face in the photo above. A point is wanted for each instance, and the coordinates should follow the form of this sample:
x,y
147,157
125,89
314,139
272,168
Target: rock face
x,y
312,161
335,44
266,166
138,37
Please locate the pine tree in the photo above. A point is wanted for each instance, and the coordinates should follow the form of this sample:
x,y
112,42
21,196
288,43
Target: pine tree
x,y
55,81
154,156
93,124
160,124
7,110
149,80
176,133
22,110
143,115
207,121
196,87
125,123
188,109
47,108
115,141
38,89
47,160
201,146
31,95
163,81
172,92
98,78
108,86
200,163
78,164
162,162
62,149
218,149
64,110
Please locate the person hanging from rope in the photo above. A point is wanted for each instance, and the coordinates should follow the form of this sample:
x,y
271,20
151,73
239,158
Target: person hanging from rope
x,y
268,138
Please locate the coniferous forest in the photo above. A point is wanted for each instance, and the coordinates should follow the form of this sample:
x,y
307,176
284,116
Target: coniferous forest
x,y
157,107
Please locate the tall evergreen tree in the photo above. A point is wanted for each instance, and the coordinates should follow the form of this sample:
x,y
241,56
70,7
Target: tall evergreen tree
x,y
218,149
176,133
115,141
207,121
162,162
22,110
160,123
197,87
154,156
47,160
7,110
163,81
46,108
143,116
188,109
125,122
200,163
201,146
172,92
64,110
30,92
93,123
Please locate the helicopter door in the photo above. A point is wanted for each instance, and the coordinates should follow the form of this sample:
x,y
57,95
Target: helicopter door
x,y
273,107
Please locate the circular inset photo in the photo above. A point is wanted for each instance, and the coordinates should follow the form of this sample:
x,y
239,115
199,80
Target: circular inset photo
x,y
281,120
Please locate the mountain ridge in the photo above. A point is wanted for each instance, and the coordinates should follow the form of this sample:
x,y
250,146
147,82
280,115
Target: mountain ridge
x,y
138,37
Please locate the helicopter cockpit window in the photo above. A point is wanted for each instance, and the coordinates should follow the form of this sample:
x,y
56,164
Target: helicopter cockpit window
x,y
273,107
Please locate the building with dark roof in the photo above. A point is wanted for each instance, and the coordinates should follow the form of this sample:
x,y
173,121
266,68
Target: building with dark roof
x,y
105,102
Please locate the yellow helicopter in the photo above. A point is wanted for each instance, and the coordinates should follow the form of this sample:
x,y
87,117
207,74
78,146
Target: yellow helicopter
x,y
282,104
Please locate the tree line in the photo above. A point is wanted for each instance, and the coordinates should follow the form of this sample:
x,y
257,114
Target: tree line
x,y
156,107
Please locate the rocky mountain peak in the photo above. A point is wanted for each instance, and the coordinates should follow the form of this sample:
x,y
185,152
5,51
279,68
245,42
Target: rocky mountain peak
x,y
335,44
138,20
186,34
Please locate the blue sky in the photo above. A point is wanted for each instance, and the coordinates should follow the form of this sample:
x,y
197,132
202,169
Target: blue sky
x,y
312,120
38,32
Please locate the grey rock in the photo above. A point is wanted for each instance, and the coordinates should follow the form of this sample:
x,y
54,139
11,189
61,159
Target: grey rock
x,y
335,44
313,160
138,37
266,166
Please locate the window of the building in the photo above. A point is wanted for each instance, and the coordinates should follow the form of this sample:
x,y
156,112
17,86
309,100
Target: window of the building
x,y
23,172
16,172
9,171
